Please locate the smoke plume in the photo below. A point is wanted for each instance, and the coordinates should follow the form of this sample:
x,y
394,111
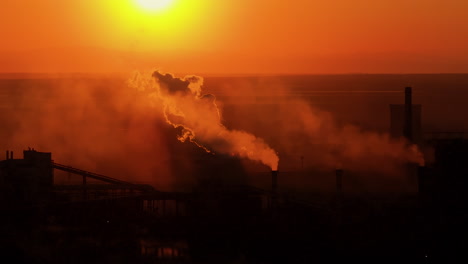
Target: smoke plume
x,y
352,147
297,128
95,124
100,125
199,118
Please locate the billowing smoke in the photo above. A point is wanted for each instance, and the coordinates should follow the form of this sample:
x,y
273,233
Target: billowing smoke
x,y
99,124
95,124
297,128
199,118
350,146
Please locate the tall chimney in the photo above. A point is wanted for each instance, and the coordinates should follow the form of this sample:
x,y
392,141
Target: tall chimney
x,y
339,181
274,189
7,154
11,154
274,181
408,127
422,180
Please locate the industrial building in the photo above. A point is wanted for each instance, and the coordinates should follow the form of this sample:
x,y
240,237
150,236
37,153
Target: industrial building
x,y
104,219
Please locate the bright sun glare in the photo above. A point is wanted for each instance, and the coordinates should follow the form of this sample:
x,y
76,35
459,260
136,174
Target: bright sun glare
x,y
154,5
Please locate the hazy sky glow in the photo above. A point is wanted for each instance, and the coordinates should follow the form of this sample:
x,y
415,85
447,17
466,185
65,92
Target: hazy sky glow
x,y
244,36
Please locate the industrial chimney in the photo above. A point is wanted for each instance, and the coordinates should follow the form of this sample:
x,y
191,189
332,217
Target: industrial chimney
x,y
274,188
274,181
339,181
421,180
408,126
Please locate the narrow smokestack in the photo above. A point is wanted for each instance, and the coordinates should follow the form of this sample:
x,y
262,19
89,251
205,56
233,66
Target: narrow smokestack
x,y
427,185
7,154
339,181
408,128
274,189
421,180
274,181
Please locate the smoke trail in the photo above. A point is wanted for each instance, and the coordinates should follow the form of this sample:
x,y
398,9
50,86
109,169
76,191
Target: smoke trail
x,y
351,146
94,123
311,132
199,118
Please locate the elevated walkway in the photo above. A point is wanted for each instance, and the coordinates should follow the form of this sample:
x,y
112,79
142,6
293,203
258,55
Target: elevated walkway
x,y
116,182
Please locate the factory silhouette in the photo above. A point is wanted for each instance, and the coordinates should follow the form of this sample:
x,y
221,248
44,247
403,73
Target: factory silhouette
x,y
103,219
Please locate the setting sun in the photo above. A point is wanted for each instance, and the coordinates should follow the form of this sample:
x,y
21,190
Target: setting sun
x,y
154,5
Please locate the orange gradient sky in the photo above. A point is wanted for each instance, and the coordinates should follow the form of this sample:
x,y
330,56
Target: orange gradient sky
x,y
235,36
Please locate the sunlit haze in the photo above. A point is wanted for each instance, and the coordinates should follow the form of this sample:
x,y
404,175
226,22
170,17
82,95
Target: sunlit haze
x,y
233,131
154,5
244,36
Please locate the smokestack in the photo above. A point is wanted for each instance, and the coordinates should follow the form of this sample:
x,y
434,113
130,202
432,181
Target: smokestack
x,y
421,180
339,181
408,128
427,185
274,181
11,154
274,189
7,154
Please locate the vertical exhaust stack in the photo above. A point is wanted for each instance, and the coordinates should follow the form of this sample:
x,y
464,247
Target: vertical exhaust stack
x,y
274,189
427,185
339,181
274,181
7,154
421,180
408,127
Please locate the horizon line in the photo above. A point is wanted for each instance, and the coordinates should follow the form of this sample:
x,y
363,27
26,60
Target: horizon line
x,y
7,75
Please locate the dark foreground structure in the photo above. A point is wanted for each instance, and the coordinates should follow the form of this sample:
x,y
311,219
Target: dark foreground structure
x,y
119,222
107,220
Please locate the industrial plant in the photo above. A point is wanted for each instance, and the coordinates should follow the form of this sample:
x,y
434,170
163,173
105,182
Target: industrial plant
x,y
97,218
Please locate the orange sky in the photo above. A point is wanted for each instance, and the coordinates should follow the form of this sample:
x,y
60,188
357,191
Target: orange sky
x,y
235,36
